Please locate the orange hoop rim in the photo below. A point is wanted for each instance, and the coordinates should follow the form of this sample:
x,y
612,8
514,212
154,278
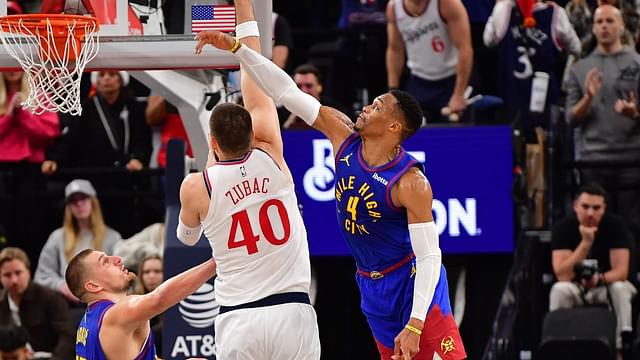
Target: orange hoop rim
x,y
42,21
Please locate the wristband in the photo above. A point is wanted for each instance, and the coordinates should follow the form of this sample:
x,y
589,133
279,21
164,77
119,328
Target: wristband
x,y
413,329
236,46
246,29
188,235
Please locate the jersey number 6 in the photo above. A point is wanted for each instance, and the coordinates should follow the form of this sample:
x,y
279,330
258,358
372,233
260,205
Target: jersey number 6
x,y
249,239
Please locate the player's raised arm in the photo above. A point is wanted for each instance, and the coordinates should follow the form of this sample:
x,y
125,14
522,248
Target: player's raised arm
x,y
266,126
93,276
415,195
138,309
278,85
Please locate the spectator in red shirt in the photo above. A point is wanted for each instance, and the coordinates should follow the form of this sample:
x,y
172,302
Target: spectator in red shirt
x,y
24,138
160,113
23,135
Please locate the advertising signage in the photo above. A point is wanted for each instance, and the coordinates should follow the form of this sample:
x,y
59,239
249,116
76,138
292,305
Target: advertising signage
x,y
470,171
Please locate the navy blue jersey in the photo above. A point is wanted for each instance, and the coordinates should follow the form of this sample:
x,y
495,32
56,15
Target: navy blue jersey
x,y
522,52
478,10
87,337
375,229
378,234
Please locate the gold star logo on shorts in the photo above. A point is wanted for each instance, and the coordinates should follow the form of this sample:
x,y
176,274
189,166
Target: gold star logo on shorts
x,y
447,344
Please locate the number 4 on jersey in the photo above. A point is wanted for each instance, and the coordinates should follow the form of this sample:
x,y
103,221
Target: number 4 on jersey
x,y
249,239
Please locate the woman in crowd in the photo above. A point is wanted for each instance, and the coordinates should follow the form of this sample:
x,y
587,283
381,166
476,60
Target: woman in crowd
x,y
83,228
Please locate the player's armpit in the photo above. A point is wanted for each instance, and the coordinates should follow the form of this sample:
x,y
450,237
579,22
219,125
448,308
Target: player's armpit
x,y
335,125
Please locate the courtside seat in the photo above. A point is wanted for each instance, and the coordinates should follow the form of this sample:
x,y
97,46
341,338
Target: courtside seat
x,y
582,333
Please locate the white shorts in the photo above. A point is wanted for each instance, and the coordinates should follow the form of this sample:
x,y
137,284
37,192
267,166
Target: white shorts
x,y
279,332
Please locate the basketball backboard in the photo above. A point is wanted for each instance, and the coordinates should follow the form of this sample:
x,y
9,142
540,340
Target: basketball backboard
x,y
134,36
125,42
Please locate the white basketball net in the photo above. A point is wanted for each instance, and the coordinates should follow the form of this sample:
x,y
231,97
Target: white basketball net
x,y
54,79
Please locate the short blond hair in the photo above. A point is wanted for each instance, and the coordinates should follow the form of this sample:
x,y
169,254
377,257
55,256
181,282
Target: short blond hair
x,y
77,274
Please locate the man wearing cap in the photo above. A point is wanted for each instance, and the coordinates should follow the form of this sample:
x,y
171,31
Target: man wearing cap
x,y
83,228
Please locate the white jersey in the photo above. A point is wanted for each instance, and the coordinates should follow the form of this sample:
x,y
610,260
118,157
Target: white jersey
x,y
256,231
431,54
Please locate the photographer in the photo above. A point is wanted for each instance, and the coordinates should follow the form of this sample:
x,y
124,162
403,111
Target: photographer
x,y
590,258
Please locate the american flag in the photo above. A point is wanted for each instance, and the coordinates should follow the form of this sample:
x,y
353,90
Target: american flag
x,y
213,17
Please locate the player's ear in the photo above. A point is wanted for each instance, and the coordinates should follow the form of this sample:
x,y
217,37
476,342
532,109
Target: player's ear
x,y
396,126
92,287
213,144
319,88
215,147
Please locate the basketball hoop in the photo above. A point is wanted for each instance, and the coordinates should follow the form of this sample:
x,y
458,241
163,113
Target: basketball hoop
x,y
53,50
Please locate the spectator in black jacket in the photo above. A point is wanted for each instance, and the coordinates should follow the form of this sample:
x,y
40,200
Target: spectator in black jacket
x,y
41,311
110,132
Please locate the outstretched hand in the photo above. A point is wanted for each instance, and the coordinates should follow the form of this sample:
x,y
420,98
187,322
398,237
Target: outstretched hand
x,y
215,38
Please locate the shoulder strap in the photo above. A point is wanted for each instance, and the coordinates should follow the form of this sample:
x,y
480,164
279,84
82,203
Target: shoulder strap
x,y
207,182
107,118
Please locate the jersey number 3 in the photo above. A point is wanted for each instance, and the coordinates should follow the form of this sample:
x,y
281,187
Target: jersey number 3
x,y
249,239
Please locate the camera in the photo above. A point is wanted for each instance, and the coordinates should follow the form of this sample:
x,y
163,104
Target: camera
x,y
586,269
